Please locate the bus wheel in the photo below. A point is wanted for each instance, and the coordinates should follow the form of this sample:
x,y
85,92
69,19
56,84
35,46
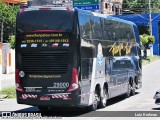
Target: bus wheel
x,y
136,83
127,95
133,88
103,98
93,107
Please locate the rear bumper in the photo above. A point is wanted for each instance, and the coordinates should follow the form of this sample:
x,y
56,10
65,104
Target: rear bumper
x,y
73,99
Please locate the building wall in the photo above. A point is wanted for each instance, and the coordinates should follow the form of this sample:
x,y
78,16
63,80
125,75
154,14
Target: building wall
x,y
14,1
111,7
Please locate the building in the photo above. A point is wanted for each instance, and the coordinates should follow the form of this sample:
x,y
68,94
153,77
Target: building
x,y
14,2
111,7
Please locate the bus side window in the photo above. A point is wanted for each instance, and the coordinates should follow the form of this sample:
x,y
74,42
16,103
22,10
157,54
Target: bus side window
x,y
85,26
85,69
108,66
97,30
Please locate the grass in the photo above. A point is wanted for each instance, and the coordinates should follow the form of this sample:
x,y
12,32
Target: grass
x,y
150,59
10,92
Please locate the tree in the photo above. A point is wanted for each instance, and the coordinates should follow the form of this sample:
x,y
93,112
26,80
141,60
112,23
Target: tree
x,y
7,20
141,6
146,40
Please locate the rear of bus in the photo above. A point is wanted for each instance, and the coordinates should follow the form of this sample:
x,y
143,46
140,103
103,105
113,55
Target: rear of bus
x,y
46,58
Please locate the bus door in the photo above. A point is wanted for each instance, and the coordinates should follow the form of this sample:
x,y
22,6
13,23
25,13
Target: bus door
x,y
108,75
86,72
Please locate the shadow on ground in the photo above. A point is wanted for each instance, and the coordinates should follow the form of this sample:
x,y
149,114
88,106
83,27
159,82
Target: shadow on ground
x,y
71,112
158,108
118,99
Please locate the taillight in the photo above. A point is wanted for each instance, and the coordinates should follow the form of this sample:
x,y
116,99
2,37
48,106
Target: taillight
x,y
17,76
74,83
18,85
22,10
44,8
69,9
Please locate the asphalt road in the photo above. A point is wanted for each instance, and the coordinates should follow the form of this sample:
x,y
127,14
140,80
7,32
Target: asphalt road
x,y
142,101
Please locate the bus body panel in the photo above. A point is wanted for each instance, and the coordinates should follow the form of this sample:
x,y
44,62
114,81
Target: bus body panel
x,y
88,52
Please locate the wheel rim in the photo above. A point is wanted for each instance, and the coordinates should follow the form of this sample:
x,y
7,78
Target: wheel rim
x,y
129,89
133,88
104,98
95,102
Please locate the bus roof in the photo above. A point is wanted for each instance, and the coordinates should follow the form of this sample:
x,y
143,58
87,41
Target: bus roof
x,y
45,7
106,16
50,7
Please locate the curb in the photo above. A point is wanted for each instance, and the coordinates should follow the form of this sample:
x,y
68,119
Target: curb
x,y
2,96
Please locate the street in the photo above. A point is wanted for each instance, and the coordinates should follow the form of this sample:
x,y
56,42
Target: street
x,y
142,101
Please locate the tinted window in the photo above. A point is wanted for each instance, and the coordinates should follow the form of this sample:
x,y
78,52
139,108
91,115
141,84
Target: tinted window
x,y
117,31
97,30
45,20
122,64
85,26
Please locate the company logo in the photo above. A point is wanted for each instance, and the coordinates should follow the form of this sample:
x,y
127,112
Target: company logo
x,y
21,74
33,45
100,54
23,45
6,115
54,45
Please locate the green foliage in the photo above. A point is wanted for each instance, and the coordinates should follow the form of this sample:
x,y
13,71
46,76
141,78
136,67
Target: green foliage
x,y
10,92
141,6
12,41
146,40
8,17
143,39
150,59
150,39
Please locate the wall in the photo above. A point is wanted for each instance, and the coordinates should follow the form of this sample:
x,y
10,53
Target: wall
x,y
8,59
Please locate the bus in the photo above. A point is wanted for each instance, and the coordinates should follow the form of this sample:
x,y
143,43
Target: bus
x,y
74,58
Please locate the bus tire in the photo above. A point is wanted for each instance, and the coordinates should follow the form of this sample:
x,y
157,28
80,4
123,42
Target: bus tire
x,y
136,82
128,93
103,98
133,88
94,105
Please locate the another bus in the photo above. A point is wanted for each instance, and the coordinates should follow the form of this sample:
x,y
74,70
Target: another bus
x,y
71,57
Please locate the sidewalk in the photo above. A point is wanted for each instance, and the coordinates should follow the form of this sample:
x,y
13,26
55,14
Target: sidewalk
x,y
7,80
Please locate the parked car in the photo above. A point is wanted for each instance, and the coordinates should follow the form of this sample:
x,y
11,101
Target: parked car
x,y
157,97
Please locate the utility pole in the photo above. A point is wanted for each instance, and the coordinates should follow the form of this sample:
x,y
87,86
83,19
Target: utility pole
x,y
150,18
2,31
150,25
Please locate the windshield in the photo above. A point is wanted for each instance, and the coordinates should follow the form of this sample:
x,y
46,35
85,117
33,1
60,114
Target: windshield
x,y
60,20
122,64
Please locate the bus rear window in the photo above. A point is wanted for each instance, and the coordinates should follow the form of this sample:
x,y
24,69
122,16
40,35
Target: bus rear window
x,y
59,20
